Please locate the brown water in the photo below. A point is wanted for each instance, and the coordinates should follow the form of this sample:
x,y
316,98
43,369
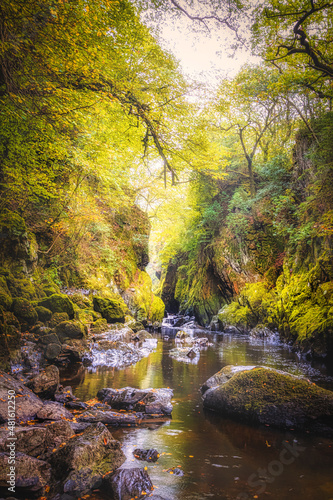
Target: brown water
x,y
221,459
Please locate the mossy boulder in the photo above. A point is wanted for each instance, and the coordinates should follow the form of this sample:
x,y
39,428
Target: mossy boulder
x,y
24,311
58,318
44,314
99,326
70,330
58,303
113,310
265,396
84,315
81,301
50,289
22,287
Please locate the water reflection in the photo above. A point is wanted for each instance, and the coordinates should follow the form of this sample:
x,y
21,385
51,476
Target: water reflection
x,y
218,456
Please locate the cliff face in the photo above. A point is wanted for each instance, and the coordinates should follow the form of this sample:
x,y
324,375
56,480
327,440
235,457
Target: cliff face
x,y
273,252
34,268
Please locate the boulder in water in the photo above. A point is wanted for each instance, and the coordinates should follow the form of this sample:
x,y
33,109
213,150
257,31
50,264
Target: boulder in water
x,y
150,455
266,396
128,483
149,401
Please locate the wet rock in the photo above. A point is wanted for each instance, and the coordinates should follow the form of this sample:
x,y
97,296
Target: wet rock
x,y
128,483
182,336
149,401
53,411
79,427
72,353
57,433
64,394
94,448
261,332
150,455
141,335
52,351
266,396
30,440
32,475
30,355
222,376
79,483
27,403
49,337
185,354
46,382
176,471
109,417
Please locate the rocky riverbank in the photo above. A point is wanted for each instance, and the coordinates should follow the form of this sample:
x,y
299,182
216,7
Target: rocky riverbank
x,y
62,447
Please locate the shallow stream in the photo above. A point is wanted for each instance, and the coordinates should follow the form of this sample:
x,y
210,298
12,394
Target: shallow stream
x,y
220,459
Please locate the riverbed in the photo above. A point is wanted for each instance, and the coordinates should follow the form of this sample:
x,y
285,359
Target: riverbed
x,y
219,458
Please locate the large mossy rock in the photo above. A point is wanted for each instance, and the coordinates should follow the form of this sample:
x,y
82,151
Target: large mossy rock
x,y
24,311
70,330
44,314
113,310
58,303
99,326
265,396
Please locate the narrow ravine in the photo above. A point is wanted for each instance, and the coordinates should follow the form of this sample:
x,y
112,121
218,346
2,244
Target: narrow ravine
x,y
219,458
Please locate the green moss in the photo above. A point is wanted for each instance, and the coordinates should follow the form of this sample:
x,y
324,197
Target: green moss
x,y
50,289
58,318
44,314
24,311
58,303
82,301
5,296
99,326
21,287
84,315
70,330
113,310
157,308
259,387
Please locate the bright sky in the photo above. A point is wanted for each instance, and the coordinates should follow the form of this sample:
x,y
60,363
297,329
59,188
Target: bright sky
x,y
204,56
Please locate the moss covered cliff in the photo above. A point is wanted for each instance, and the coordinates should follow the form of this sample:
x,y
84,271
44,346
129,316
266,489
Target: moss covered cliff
x,y
265,259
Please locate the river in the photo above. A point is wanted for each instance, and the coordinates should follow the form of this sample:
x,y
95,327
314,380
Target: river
x,y
220,459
